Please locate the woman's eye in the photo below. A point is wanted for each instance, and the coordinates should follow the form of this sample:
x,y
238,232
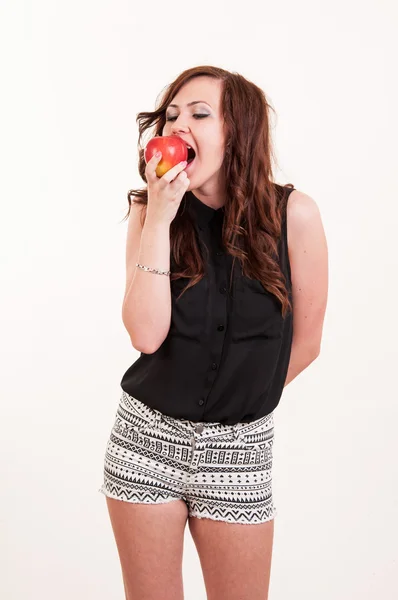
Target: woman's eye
x,y
197,116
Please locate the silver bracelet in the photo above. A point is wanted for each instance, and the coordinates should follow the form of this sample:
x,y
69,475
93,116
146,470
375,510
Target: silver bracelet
x,y
152,270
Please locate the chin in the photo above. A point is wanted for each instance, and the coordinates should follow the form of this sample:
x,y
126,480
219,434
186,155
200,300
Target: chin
x,y
196,182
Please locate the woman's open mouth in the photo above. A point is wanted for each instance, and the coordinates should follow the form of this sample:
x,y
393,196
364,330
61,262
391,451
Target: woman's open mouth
x,y
191,156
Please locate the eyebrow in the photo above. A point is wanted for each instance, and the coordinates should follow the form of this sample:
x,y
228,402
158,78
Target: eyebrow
x,y
191,103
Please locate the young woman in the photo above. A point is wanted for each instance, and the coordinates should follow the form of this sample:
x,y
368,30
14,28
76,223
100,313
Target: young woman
x,y
221,262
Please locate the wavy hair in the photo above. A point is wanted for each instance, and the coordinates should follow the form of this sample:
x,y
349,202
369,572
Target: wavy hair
x,y
253,211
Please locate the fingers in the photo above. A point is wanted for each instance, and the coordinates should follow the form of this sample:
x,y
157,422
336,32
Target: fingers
x,y
180,183
175,177
150,169
172,173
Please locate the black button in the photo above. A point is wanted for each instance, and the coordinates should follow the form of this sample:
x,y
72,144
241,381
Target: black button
x,y
219,253
201,401
223,290
220,328
214,366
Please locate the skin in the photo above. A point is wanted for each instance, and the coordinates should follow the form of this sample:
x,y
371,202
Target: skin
x,y
235,558
308,256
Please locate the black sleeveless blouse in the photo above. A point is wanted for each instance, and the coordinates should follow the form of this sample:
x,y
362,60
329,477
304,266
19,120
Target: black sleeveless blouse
x,y
227,352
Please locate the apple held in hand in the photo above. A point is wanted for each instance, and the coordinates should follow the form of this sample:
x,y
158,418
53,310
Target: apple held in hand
x,y
173,149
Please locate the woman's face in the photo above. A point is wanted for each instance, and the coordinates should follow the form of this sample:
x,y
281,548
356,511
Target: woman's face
x,y
200,125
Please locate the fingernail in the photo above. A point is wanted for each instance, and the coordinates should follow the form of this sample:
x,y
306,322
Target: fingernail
x,y
158,154
184,163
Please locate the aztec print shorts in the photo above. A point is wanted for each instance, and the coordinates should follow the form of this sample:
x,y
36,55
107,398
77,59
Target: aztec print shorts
x,y
222,472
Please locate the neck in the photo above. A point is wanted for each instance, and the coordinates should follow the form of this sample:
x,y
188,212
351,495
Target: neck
x,y
210,195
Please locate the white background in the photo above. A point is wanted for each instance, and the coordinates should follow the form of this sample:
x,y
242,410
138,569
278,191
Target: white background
x,y
74,76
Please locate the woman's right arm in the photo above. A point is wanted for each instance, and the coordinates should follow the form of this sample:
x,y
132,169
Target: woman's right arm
x,y
146,311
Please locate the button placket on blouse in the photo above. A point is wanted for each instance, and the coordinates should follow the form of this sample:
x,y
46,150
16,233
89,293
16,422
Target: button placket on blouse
x,y
208,226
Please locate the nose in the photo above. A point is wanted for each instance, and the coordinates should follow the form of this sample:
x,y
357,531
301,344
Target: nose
x,y
179,126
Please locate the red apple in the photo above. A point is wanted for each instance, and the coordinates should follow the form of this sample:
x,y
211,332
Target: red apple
x,y
173,149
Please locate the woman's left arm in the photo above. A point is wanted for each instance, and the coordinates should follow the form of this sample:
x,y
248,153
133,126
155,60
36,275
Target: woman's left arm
x,y
308,255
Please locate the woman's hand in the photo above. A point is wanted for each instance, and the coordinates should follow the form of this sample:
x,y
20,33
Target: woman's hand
x,y
165,193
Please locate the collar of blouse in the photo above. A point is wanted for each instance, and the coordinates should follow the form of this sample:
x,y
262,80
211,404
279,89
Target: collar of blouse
x,y
203,213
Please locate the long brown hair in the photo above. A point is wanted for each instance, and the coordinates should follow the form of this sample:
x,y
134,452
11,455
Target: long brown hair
x,y
253,209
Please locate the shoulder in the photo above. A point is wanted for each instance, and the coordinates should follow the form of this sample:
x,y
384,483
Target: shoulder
x,y
303,217
300,208
306,238
297,206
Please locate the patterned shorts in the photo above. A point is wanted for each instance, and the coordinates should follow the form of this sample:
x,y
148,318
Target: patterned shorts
x,y
222,472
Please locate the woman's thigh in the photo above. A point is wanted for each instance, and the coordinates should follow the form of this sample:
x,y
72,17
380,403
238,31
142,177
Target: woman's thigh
x,y
149,539
231,510
235,558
